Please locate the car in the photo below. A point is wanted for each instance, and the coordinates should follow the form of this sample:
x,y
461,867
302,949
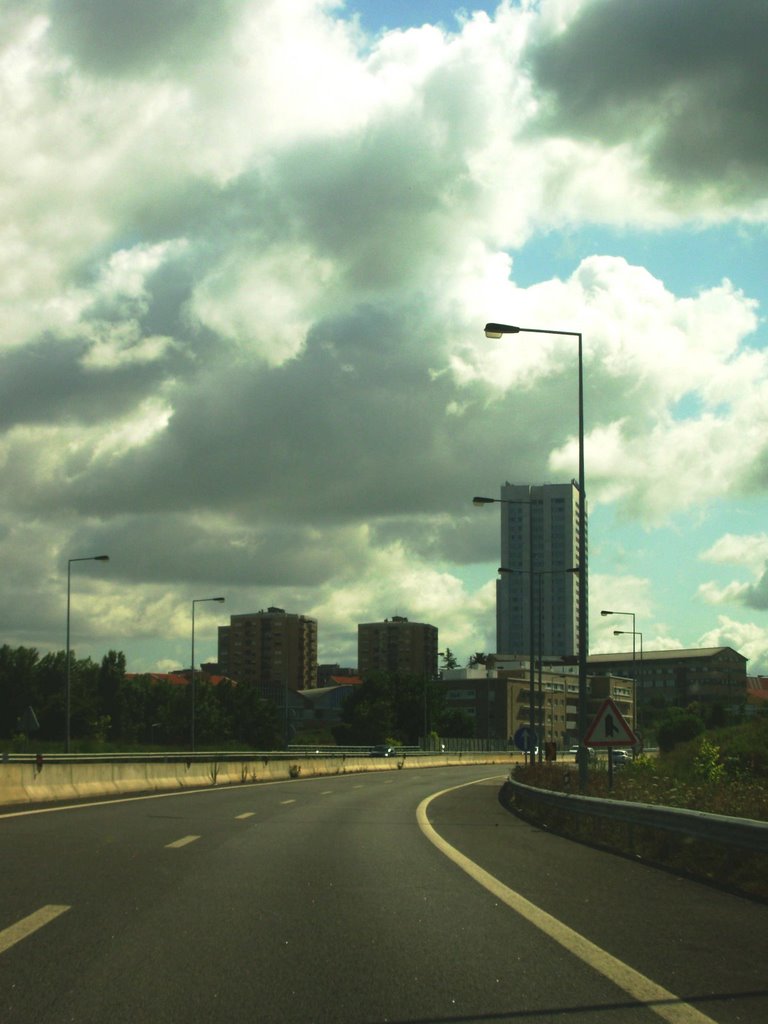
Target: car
x,y
382,750
619,757
574,752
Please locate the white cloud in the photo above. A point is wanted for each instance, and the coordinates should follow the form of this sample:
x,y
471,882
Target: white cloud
x,y
247,260
748,638
750,550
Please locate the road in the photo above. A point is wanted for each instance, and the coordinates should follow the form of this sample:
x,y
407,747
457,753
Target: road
x,y
326,901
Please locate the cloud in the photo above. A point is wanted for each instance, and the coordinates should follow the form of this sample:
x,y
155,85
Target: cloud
x,y
748,638
750,551
247,254
115,40
704,72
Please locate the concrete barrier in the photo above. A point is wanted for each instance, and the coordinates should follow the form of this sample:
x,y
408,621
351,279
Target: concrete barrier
x,y
25,783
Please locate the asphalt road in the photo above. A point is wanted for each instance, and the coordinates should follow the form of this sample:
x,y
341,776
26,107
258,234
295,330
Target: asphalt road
x,y
325,901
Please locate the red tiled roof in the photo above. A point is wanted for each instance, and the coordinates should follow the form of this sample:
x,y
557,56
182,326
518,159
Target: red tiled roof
x,y
174,678
757,688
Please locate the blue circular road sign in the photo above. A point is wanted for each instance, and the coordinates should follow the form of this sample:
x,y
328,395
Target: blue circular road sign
x,y
526,739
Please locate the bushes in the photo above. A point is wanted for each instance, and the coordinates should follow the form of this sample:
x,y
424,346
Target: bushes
x,y
721,772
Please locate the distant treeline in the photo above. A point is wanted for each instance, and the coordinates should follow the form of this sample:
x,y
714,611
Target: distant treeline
x,y
105,707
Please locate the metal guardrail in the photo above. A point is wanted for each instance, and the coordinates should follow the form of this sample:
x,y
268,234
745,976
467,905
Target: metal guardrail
x,y
175,756
744,833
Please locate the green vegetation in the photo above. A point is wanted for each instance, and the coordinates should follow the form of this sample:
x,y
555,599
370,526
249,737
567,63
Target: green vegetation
x,y
110,712
722,771
388,707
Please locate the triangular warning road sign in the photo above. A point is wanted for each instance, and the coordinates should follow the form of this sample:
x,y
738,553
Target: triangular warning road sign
x,y
609,728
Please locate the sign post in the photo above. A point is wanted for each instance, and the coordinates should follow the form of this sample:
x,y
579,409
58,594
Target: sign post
x,y
609,729
526,740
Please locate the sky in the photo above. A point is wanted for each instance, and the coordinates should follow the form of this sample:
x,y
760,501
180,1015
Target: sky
x,y
247,251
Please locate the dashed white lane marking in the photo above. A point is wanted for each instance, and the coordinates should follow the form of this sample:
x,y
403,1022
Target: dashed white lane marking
x,y
287,801
184,841
29,924
242,817
327,792
646,992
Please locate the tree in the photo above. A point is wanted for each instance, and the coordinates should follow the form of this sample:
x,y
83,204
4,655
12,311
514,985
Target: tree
x,y
17,686
456,723
478,658
112,696
449,659
677,726
389,706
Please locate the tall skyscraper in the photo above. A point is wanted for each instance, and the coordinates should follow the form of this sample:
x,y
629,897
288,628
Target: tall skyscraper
x,y
270,648
540,541
397,646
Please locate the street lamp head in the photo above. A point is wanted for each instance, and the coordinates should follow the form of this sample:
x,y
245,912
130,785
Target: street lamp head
x,y
101,558
606,613
496,330
220,599
477,500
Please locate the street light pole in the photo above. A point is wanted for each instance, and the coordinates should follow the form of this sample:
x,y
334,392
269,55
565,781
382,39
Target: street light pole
x,y
67,702
496,331
634,632
198,600
615,633
538,573
477,500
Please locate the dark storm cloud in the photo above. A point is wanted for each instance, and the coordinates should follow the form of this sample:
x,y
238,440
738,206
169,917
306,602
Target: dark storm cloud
x,y
354,427
167,549
756,595
46,382
685,81
119,38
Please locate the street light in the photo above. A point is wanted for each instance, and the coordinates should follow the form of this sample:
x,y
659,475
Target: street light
x,y
538,573
496,331
617,633
88,558
634,633
198,600
480,501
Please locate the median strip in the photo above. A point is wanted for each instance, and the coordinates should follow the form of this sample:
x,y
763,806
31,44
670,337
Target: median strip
x,y
27,925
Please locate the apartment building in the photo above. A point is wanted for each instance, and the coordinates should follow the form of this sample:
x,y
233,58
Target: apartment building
x,y
271,648
397,646
708,675
499,701
537,602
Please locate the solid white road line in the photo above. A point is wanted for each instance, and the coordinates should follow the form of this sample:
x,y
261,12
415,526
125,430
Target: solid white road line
x,y
27,925
646,992
184,841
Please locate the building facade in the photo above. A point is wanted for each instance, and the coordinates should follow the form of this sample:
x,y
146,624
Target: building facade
x,y
537,602
397,646
499,701
707,675
271,648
